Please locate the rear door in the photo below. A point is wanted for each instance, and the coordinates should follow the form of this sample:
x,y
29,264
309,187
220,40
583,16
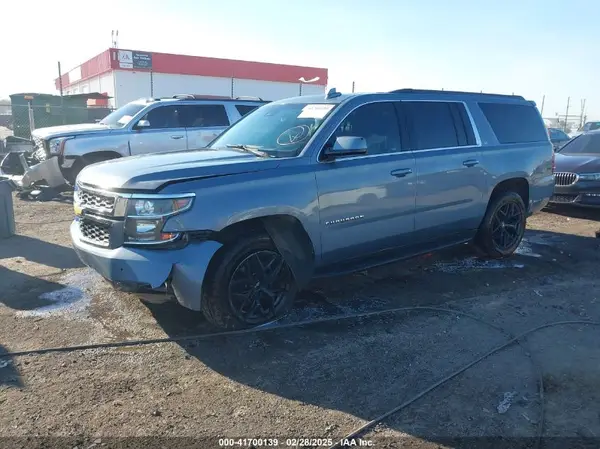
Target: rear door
x,y
367,202
450,197
203,122
165,132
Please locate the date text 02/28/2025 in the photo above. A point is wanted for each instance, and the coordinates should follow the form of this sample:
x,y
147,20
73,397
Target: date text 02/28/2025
x,y
293,442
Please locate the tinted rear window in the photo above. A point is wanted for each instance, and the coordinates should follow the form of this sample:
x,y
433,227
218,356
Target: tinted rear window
x,y
244,109
514,123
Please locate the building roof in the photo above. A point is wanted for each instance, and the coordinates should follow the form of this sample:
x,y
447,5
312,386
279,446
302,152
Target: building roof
x,y
144,61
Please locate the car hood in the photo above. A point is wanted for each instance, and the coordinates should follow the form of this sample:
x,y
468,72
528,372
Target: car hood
x,y
149,172
69,130
577,163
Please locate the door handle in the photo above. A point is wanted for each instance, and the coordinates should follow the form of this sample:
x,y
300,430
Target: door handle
x,y
401,172
177,137
470,162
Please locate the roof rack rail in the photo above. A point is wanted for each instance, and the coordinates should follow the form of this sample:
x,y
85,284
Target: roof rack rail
x,y
249,98
184,96
451,92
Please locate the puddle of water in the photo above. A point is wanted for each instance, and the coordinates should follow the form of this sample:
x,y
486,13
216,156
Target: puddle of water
x,y
473,263
71,301
525,249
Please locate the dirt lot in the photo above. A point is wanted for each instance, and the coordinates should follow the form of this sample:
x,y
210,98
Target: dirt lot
x,y
314,381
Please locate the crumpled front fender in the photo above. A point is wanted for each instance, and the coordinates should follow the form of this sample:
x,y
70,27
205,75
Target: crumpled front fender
x,y
188,274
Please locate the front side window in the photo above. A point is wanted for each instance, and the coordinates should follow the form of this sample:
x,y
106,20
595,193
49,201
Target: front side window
x,y
377,123
122,116
163,117
276,129
583,144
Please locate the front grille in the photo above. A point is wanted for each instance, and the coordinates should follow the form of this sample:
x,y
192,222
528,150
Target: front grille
x,y
563,198
95,201
38,143
96,233
564,178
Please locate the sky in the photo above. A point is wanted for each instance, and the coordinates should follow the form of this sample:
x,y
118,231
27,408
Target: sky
x,y
532,48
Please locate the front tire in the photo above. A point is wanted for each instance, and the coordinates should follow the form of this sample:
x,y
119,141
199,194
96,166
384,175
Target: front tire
x,y
503,226
248,284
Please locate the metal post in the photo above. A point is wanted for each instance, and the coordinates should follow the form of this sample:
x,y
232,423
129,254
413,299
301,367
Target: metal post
x,y
31,117
300,94
567,114
542,109
151,83
232,91
352,86
581,123
60,85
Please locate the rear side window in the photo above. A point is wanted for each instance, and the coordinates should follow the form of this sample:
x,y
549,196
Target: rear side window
x,y
514,123
244,109
204,115
438,124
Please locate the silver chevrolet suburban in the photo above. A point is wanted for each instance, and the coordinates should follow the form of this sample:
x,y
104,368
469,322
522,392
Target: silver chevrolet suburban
x,y
142,126
314,186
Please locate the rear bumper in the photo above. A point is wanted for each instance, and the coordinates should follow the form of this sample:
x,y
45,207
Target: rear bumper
x,y
142,270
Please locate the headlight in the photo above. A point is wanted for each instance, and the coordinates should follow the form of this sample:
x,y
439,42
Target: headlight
x,y
589,176
146,216
57,146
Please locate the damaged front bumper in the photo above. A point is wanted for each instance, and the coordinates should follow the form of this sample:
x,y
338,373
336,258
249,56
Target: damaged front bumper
x,y
142,270
27,172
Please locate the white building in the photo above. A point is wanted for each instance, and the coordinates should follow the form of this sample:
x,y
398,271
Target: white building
x,y
127,75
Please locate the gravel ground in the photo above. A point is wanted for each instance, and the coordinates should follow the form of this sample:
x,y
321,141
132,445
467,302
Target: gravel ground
x,y
317,380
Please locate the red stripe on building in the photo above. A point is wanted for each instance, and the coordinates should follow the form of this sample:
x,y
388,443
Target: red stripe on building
x,y
202,66
93,67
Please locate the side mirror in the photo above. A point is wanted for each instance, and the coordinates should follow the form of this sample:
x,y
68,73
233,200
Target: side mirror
x,y
347,146
143,124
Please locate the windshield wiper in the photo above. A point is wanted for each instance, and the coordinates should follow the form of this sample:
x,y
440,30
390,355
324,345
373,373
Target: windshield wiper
x,y
248,148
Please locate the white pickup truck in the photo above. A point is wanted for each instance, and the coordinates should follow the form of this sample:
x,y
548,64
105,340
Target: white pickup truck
x,y
143,126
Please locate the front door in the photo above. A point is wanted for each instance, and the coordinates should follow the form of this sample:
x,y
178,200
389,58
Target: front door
x,y
203,123
367,202
450,198
165,132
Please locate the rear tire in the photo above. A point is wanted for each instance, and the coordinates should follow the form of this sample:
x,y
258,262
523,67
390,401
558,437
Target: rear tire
x,y
503,226
248,284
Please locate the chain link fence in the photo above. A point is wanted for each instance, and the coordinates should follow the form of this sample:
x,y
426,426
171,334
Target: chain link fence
x,y
20,120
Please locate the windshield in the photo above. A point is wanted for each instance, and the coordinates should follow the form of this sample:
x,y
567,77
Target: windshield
x,y
593,126
583,144
276,129
122,116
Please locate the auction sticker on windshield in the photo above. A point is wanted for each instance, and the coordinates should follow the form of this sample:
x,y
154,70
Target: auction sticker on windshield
x,y
315,110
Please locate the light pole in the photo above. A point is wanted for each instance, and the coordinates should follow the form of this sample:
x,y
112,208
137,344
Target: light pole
x,y
304,81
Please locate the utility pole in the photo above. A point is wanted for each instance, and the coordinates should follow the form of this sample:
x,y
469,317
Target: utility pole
x,y
581,123
352,86
60,86
151,84
543,101
567,114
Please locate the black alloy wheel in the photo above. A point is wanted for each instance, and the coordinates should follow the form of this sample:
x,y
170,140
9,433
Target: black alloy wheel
x,y
507,226
258,285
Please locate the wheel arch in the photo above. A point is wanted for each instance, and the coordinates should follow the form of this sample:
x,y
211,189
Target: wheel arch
x,y
287,233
